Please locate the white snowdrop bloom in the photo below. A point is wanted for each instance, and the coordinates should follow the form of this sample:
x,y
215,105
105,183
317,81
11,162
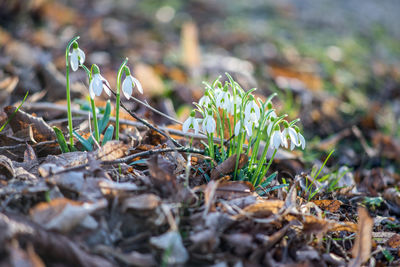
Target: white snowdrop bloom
x,y
234,100
238,128
205,100
209,124
223,100
128,84
191,123
248,125
276,139
77,57
302,141
290,133
252,111
98,83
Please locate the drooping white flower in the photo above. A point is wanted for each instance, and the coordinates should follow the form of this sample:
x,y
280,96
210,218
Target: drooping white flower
x,y
223,100
98,83
128,84
289,133
248,125
252,111
235,100
77,57
238,128
276,138
205,100
302,141
191,123
209,124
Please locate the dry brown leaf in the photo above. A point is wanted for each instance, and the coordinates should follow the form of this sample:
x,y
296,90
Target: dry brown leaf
x,y
264,208
228,166
362,246
394,241
62,214
233,189
22,121
144,202
330,205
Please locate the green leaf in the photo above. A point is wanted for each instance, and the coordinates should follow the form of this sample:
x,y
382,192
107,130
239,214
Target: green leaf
x,y
86,144
106,117
108,135
61,140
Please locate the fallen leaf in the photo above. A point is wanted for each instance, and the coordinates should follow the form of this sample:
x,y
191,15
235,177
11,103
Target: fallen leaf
x,y
62,214
362,246
144,202
394,241
265,208
228,166
330,205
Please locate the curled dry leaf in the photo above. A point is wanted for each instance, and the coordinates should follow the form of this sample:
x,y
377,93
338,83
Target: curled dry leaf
x,y
228,166
394,241
263,208
144,202
331,205
22,121
362,246
62,214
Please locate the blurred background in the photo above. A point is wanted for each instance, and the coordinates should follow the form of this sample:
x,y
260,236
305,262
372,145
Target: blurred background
x,y
334,64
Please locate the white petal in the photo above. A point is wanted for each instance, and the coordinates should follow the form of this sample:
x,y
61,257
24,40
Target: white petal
x,y
74,60
81,56
249,127
91,92
276,139
269,129
138,84
186,124
211,125
284,141
293,135
238,128
127,87
97,84
196,126
302,141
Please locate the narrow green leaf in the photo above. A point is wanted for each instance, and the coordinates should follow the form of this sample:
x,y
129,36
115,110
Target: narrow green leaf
x,y
106,117
86,144
61,140
108,135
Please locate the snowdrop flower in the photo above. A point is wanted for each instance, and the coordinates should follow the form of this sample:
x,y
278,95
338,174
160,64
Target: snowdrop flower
x,y
234,100
238,128
209,124
205,99
276,138
248,126
302,141
252,111
129,83
77,57
289,133
223,99
98,83
191,123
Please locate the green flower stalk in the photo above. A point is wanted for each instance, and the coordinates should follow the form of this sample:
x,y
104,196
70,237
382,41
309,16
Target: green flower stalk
x,y
77,55
118,94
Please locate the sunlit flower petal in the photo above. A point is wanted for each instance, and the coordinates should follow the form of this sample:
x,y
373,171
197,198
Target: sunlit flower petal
x,y
127,87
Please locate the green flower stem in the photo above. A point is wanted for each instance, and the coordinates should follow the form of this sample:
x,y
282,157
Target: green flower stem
x,y
257,181
96,126
120,71
239,151
221,130
211,147
70,126
262,159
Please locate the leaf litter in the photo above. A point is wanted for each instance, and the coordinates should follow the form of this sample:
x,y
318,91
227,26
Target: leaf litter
x,y
110,207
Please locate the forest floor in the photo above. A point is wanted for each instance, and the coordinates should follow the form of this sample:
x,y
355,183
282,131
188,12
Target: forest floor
x,y
336,66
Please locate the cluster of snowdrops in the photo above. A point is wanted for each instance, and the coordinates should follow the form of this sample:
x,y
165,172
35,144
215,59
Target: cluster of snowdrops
x,y
229,114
